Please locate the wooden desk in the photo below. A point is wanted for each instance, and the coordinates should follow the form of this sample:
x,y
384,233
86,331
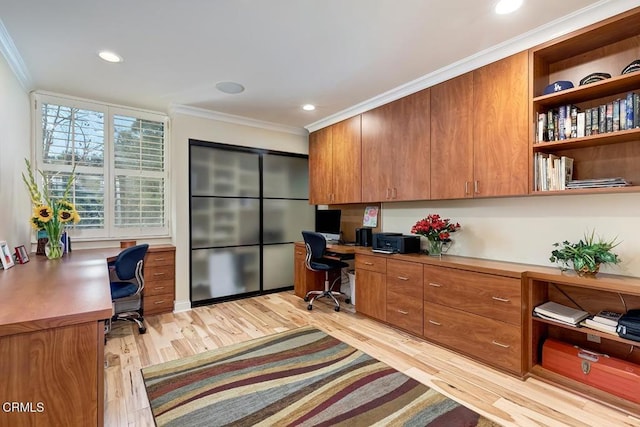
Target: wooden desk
x,y
52,340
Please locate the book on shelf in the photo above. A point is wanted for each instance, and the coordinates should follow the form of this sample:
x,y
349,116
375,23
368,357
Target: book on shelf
x,y
560,312
590,323
607,317
630,111
581,124
623,113
616,115
598,183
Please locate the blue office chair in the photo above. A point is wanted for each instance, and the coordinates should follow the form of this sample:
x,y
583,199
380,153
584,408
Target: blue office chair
x,y
127,283
315,260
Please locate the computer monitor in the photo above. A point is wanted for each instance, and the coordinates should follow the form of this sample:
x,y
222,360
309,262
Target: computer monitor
x,y
328,223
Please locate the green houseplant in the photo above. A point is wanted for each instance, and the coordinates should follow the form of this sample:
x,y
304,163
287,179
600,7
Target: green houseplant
x,y
587,255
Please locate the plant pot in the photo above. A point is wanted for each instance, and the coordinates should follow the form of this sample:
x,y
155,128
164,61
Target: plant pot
x,y
586,272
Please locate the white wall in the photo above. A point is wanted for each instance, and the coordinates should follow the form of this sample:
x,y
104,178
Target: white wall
x,y
15,146
185,127
523,229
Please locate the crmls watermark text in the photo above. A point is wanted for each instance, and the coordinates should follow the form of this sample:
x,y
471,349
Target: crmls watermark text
x,y
22,406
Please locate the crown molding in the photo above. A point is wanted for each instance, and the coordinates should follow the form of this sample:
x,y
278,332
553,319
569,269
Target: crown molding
x,y
590,15
11,54
238,120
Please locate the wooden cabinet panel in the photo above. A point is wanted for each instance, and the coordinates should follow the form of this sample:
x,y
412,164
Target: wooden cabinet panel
x,y
304,280
492,341
452,138
405,277
405,312
320,167
487,295
396,150
500,105
347,163
159,280
371,263
371,294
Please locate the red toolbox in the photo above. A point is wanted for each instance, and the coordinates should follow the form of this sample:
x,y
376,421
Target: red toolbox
x,y
615,376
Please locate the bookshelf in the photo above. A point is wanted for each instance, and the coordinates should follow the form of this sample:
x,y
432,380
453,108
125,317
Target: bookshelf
x,y
605,47
606,292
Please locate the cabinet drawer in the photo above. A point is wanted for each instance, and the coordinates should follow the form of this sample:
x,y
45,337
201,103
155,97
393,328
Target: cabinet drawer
x,y
405,277
496,343
159,287
156,304
371,263
405,312
157,273
160,258
497,297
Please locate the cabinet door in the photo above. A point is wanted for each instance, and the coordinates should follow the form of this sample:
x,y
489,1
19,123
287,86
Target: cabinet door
x,y
371,294
320,167
500,98
347,161
452,138
304,280
377,144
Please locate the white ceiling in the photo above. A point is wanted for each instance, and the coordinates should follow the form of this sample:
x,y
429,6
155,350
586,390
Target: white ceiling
x,y
337,54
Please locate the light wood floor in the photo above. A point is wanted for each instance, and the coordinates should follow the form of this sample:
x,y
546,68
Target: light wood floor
x,y
498,396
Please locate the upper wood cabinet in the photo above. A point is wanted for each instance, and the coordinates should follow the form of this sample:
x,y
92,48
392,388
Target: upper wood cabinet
x,y
479,132
335,165
500,128
396,150
452,138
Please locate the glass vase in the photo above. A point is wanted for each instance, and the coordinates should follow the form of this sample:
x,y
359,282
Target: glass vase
x,y
54,249
434,247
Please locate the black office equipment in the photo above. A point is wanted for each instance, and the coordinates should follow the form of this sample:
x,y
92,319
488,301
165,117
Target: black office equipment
x,y
328,223
364,236
396,243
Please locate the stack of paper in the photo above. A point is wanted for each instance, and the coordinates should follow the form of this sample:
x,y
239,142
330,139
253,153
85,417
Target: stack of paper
x,y
604,321
560,313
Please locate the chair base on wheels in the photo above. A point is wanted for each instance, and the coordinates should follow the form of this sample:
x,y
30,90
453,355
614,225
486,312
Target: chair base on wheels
x,y
328,292
131,317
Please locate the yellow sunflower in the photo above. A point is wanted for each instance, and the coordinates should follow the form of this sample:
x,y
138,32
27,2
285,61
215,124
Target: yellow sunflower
x,y
43,213
65,215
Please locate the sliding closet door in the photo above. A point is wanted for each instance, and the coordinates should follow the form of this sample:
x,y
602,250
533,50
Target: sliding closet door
x,y
286,212
225,223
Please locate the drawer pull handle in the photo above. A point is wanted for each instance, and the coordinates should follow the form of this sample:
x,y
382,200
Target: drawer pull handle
x,y
403,278
159,287
159,259
159,302
501,299
499,344
368,263
159,274
435,285
298,253
433,322
403,312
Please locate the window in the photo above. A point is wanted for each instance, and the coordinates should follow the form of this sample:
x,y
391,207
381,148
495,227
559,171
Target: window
x,y
120,163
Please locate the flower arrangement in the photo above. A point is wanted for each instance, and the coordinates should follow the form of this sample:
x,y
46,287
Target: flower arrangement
x,y
435,228
586,256
50,214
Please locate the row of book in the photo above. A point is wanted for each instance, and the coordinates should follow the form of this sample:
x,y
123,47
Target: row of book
x,y
569,121
552,172
603,321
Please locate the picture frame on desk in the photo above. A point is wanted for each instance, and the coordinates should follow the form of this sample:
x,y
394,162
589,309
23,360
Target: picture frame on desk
x,y
7,258
21,255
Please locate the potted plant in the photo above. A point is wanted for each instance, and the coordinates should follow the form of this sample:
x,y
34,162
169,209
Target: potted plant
x,y
586,256
437,230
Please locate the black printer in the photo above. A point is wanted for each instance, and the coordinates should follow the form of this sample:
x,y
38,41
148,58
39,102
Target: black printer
x,y
396,243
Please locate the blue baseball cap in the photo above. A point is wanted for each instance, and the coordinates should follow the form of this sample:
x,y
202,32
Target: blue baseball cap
x,y
558,86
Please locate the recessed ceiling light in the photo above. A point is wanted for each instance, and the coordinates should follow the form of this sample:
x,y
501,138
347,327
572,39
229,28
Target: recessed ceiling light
x,y
229,87
308,107
109,56
507,6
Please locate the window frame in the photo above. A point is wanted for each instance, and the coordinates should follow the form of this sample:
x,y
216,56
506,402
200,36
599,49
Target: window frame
x,y
110,231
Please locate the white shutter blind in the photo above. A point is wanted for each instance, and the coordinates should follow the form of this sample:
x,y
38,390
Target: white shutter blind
x,y
139,172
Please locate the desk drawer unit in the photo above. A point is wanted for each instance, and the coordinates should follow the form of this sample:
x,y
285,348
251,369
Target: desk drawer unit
x,y
488,295
494,342
159,281
371,263
404,295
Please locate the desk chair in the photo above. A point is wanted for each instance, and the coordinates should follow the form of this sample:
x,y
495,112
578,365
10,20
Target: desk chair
x,y
127,283
316,261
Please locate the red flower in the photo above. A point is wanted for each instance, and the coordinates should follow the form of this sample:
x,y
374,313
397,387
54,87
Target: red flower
x,y
435,228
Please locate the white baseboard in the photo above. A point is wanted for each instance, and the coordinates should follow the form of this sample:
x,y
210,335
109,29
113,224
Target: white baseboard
x,y
179,306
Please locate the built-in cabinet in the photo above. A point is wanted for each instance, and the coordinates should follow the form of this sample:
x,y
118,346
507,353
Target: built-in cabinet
x,y
335,164
396,150
606,47
304,280
371,289
159,280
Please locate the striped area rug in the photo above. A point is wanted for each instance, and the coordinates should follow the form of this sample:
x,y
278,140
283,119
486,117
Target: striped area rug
x,y
302,377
